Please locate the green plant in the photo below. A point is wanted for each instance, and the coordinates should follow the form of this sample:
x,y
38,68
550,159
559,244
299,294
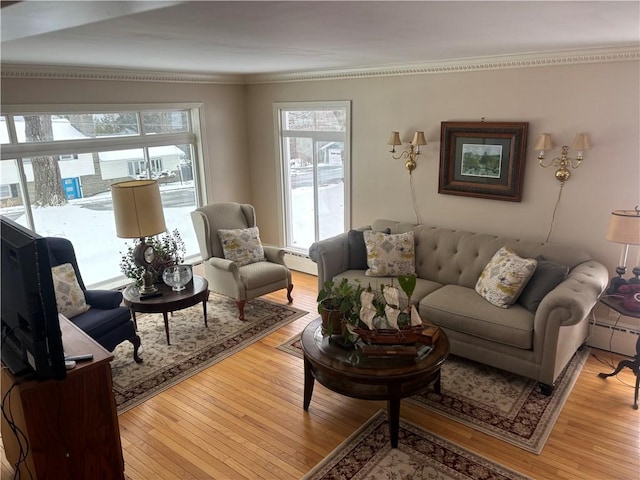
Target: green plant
x,y
343,297
170,250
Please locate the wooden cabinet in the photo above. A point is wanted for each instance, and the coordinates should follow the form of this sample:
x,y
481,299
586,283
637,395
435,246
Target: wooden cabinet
x,y
70,426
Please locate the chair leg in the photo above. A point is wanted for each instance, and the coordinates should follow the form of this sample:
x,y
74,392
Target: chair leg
x,y
289,288
135,340
240,304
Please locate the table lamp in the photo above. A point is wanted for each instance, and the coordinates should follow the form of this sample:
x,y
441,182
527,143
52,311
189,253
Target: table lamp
x,y
137,209
624,228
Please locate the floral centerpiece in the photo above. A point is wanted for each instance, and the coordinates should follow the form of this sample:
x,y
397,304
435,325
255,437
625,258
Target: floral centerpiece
x,y
170,250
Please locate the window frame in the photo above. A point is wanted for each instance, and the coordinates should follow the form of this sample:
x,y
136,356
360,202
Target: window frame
x,y
315,135
196,137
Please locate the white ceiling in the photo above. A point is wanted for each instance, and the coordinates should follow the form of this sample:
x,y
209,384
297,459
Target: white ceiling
x,y
264,37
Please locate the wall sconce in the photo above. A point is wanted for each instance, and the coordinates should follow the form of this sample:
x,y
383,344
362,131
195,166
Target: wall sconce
x,y
624,228
411,155
580,145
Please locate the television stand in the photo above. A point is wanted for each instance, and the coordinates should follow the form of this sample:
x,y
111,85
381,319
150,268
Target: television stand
x,y
72,424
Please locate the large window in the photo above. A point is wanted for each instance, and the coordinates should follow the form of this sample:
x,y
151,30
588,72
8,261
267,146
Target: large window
x,y
314,162
58,165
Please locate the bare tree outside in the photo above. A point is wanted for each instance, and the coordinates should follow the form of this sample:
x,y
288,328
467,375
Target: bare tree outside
x,y
47,181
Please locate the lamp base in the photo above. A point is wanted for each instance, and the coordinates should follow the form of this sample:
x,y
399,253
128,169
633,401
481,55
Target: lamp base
x,y
616,282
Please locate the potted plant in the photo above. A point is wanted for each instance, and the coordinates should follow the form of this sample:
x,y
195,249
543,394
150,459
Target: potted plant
x,y
337,302
170,250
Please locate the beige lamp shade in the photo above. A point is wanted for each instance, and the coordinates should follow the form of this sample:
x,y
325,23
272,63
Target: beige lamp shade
x,y
581,143
624,227
394,139
137,208
418,139
544,143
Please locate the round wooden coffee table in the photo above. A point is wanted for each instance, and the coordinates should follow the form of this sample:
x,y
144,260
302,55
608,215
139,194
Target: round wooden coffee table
x,y
352,373
195,292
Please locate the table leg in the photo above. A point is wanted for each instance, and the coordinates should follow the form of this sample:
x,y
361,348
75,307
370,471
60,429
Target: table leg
x,y
308,384
634,366
133,316
436,384
393,406
204,309
165,315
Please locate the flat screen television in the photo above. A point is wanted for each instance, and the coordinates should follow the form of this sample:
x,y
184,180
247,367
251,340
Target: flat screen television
x,y
30,329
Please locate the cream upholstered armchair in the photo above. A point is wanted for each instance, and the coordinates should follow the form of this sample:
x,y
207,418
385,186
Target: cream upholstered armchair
x,y
247,274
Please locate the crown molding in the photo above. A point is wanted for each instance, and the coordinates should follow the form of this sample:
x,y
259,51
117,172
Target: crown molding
x,y
57,72
566,57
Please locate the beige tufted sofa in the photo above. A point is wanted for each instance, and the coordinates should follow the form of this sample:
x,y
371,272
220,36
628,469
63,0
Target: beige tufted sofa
x,y
448,264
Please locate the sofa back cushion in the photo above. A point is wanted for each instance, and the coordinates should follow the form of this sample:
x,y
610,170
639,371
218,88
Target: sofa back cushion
x,y
458,257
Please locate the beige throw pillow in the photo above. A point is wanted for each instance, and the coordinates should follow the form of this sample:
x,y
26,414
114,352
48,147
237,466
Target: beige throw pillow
x,y
390,255
69,295
504,277
242,245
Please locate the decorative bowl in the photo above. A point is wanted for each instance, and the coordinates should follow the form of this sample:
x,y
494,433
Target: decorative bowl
x,y
177,276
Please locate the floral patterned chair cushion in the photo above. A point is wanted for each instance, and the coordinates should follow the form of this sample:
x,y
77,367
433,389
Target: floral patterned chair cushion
x,y
242,245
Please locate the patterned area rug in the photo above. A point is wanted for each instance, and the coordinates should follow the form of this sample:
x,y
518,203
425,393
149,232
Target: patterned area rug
x,y
367,455
495,402
193,346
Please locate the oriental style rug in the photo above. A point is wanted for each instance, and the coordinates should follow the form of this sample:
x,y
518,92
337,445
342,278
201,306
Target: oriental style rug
x,y
367,455
193,348
498,403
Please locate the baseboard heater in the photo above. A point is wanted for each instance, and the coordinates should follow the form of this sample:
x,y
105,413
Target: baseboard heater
x,y
300,263
615,338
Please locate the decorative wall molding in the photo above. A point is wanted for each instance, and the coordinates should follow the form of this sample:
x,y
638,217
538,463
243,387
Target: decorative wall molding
x,y
465,65
571,57
56,72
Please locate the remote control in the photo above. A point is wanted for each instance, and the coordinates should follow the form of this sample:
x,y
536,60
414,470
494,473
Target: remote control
x,y
80,358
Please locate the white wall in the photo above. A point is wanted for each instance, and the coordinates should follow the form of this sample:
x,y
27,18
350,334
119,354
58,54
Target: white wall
x,y
226,160
600,99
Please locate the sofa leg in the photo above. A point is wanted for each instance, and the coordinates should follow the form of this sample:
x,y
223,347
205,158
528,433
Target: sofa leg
x,y
546,389
135,340
240,304
289,288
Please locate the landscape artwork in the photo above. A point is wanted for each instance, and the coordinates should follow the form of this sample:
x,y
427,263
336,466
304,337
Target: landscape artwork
x,y
481,160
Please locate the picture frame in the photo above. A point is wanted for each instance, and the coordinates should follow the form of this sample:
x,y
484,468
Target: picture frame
x,y
483,159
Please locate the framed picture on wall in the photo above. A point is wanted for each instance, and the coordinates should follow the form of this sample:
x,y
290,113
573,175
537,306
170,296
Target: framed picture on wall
x,y
483,159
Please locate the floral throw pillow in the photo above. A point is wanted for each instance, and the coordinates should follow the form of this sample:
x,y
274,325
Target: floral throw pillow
x,y
390,255
69,296
504,277
242,245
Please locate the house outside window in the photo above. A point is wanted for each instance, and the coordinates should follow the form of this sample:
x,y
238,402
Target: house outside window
x,y
314,161
57,167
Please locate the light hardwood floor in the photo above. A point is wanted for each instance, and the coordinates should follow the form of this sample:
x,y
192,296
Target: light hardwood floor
x,y
243,419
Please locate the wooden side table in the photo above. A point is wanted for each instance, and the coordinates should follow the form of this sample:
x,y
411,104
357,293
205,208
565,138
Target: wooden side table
x,y
634,364
195,292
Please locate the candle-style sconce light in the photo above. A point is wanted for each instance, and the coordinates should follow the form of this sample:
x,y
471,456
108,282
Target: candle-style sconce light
x,y
411,154
564,162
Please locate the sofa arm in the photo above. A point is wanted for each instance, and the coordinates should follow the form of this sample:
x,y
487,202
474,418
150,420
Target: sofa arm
x,y
223,264
573,299
103,299
331,255
274,254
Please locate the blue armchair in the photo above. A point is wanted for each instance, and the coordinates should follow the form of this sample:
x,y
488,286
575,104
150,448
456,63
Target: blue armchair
x,y
107,322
